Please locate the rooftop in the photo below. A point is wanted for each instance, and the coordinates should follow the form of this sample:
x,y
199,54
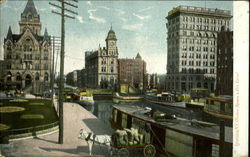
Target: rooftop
x,y
203,129
199,10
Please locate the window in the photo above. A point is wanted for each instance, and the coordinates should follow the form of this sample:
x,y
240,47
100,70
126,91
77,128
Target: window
x,y
8,66
37,77
112,69
103,69
46,67
46,57
37,66
46,77
8,47
30,17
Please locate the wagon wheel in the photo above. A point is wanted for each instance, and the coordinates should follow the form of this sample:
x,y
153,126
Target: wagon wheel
x,y
149,150
123,152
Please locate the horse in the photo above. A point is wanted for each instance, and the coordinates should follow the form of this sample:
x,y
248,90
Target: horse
x,y
91,139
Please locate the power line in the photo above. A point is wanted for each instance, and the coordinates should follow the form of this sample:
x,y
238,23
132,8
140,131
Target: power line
x,y
64,13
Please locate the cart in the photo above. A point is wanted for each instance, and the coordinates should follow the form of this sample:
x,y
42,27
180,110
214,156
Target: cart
x,y
123,150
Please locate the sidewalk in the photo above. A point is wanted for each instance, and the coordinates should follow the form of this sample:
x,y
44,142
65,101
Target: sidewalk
x,y
75,118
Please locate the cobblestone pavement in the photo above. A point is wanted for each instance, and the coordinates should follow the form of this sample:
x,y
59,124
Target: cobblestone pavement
x,y
75,118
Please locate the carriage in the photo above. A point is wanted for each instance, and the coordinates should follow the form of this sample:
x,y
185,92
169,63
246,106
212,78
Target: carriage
x,y
120,145
130,139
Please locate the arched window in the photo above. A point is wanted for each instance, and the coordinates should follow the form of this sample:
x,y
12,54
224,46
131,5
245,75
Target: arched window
x,y
9,47
205,85
46,77
29,17
9,75
198,85
37,77
18,77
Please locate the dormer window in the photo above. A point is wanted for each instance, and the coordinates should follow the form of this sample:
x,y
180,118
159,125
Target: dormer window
x,y
29,17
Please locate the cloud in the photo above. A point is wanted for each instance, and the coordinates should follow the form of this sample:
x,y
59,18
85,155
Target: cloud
x,y
145,9
3,6
120,12
42,10
104,7
132,27
53,8
141,17
89,3
92,17
123,19
80,19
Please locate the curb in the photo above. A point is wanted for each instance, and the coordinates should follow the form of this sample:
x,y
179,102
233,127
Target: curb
x,y
37,134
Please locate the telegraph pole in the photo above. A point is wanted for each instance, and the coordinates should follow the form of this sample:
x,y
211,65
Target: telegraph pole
x,y
61,87
55,43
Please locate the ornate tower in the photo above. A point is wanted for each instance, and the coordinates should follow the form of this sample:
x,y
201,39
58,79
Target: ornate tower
x,y
111,43
30,19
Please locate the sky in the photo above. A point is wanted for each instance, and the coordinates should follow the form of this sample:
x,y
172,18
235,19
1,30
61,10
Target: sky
x,y
140,27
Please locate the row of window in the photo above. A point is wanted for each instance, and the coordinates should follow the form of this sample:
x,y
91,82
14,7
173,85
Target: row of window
x,y
195,27
198,20
28,67
27,57
26,48
197,41
198,49
198,63
103,69
105,62
197,56
197,71
37,77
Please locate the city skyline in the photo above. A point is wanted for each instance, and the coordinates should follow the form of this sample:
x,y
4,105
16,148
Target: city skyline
x,y
140,27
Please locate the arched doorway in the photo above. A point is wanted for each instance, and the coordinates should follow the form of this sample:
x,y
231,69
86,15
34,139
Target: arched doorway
x,y
28,80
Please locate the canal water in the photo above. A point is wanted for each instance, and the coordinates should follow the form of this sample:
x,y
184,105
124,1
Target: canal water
x,y
103,110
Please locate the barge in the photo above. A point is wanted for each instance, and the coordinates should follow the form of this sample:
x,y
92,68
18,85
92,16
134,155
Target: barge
x,y
174,136
165,99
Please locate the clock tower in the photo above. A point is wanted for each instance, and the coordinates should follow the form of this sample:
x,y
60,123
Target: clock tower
x,y
111,43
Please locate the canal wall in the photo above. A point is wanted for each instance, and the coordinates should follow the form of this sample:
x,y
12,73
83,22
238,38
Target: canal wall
x,y
75,118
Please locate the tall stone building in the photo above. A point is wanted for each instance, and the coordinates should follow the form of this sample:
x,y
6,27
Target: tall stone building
x,y
132,72
224,82
192,45
101,65
27,55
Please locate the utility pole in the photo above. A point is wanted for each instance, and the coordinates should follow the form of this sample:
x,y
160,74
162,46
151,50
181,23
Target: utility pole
x,y
55,43
61,87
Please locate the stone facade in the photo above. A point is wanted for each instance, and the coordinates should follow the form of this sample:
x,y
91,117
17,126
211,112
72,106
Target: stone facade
x,y
224,82
132,72
101,65
27,55
192,45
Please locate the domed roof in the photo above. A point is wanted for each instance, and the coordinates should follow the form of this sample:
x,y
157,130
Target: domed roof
x,y
111,35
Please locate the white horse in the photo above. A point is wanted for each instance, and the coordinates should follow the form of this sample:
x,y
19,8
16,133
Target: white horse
x,y
91,139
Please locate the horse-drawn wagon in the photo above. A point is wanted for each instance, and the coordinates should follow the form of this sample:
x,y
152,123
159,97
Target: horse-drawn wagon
x,y
121,143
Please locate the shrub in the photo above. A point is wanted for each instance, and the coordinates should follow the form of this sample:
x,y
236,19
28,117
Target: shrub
x,y
32,116
9,109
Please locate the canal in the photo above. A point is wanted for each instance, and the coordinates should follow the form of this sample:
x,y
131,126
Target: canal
x,y
103,110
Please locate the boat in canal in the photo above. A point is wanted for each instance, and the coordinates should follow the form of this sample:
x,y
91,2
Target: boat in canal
x,y
123,96
174,136
166,99
81,98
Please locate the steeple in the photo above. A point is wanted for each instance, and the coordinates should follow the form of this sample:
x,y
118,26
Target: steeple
x,y
30,8
138,56
46,36
9,35
30,19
